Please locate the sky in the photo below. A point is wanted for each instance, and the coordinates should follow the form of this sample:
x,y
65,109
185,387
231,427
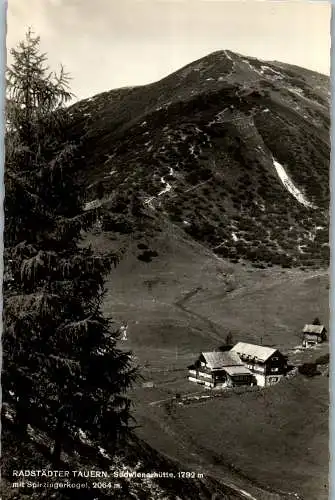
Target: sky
x,y
107,44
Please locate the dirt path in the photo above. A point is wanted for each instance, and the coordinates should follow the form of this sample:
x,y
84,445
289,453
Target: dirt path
x,y
213,329
250,289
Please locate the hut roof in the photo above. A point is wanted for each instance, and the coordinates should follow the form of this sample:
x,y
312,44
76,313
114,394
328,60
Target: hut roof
x,y
253,351
316,329
216,360
237,370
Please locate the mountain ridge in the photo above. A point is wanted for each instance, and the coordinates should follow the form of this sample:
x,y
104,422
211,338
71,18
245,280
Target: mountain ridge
x,y
208,147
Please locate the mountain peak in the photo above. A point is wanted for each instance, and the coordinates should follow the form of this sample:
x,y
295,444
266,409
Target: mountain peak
x,y
233,150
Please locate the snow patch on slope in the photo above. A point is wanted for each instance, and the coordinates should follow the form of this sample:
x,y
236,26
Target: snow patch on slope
x,y
91,205
253,68
277,75
289,185
167,187
227,55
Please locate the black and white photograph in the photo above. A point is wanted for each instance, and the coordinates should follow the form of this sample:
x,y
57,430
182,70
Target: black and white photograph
x,y
166,255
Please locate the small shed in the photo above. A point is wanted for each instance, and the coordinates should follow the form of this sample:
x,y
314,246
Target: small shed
x,y
313,334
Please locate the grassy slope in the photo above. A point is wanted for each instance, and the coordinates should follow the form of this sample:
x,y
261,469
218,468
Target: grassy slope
x,y
275,439
186,300
278,437
189,299
273,309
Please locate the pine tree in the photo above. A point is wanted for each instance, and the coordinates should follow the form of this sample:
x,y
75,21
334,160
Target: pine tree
x,y
62,370
229,338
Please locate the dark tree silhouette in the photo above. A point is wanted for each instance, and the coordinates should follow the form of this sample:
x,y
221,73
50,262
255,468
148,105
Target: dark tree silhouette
x,y
62,370
229,338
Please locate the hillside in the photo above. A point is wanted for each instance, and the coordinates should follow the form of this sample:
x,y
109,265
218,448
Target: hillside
x,y
186,300
233,150
211,181
279,439
136,459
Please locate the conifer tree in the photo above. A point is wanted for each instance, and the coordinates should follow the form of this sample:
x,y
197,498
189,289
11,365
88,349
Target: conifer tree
x,y
62,370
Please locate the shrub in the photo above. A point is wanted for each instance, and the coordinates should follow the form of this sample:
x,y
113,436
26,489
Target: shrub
x,y
308,370
147,255
142,246
323,360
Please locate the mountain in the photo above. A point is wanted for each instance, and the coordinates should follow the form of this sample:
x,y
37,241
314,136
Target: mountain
x,y
233,150
210,180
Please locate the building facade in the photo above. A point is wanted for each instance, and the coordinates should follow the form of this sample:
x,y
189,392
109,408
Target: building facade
x,y
220,370
267,364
